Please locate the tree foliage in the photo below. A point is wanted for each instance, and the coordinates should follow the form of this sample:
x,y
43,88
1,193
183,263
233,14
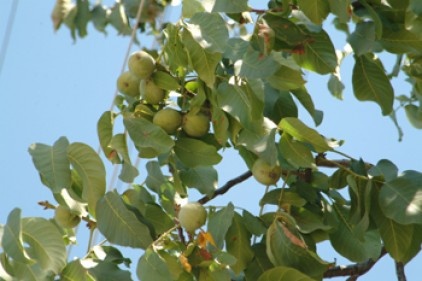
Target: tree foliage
x,y
234,76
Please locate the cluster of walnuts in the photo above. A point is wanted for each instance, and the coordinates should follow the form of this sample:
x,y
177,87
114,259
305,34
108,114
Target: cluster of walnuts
x,y
137,82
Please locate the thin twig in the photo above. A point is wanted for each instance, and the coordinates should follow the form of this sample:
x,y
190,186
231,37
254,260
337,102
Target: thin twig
x,y
400,271
353,270
226,187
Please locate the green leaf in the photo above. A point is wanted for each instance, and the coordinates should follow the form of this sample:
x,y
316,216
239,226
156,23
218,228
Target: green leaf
x,y
362,39
230,6
191,7
285,31
285,248
375,17
105,134
153,267
370,83
238,244
306,101
254,65
165,81
209,31
286,78
119,20
129,172
203,62
119,225
401,198
335,86
235,49
11,240
203,178
174,48
91,169
219,223
238,103
155,177
346,243
340,8
319,54
99,17
399,40
301,132
259,264
384,168
52,164
75,271
158,218
282,273
109,271
414,115
253,224
315,10
46,244
415,6
296,153
82,18
397,238
308,221
220,124
193,152
147,135
274,197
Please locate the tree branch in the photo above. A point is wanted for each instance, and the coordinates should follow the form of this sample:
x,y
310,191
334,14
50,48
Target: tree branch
x,y
226,187
353,270
400,271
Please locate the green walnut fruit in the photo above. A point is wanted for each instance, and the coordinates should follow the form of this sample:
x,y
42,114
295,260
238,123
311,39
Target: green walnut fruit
x,y
168,119
150,92
65,218
141,64
192,216
264,173
196,125
128,84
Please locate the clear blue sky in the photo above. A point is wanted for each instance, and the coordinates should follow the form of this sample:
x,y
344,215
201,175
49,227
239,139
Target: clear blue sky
x,y
51,86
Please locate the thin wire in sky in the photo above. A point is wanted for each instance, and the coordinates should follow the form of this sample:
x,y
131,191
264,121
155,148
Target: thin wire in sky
x,y
8,32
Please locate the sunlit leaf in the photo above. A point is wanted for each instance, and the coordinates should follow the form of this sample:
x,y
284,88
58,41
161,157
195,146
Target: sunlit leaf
x,y
82,18
193,152
255,65
11,240
202,61
315,10
91,169
318,55
119,225
190,7
209,31
75,271
105,134
52,163
99,17
401,198
370,83
286,78
301,132
129,172
46,245
147,135
296,153
230,6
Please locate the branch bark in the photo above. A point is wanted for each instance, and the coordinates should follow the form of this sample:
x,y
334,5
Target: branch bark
x,y
353,270
226,187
